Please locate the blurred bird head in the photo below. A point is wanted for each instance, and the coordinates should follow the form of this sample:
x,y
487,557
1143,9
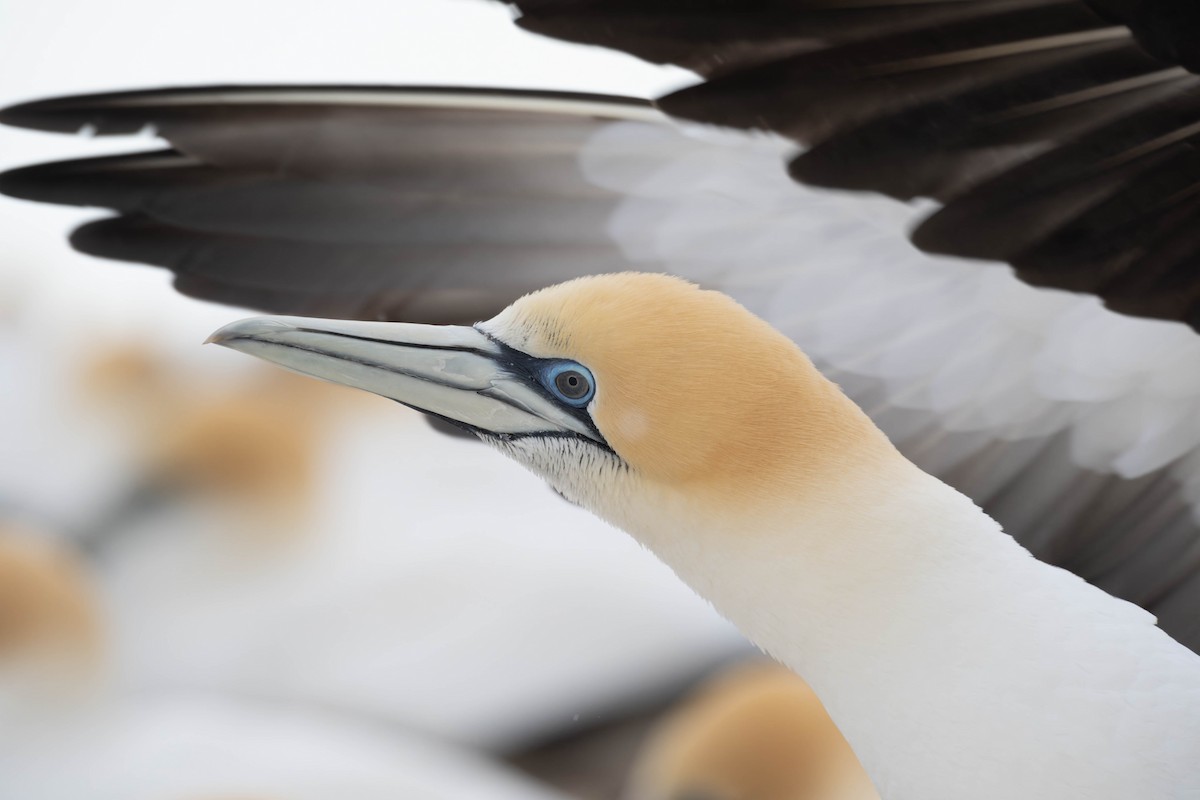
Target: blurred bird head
x,y
233,442
50,631
618,389
755,732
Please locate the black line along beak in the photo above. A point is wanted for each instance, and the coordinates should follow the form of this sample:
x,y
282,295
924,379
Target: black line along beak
x,y
450,371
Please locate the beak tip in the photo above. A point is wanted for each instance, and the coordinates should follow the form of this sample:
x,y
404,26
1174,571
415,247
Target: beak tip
x,y
225,334
253,328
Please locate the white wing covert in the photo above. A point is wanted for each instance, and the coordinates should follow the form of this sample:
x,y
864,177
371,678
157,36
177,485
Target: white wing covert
x,y
1073,424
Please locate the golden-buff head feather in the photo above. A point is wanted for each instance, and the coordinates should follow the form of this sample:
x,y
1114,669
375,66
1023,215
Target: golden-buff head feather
x,y
693,389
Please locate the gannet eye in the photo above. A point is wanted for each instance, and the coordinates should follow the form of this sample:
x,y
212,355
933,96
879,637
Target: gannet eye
x,y
570,382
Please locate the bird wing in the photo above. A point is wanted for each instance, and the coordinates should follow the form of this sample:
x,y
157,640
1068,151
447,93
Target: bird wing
x,y
1060,136
422,204
1074,426
1069,423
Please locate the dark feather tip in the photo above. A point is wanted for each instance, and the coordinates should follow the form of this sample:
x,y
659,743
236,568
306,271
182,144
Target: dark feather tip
x,y
53,182
22,183
40,115
65,115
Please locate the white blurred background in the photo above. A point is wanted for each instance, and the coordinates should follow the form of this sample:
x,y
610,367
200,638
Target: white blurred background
x,y
219,580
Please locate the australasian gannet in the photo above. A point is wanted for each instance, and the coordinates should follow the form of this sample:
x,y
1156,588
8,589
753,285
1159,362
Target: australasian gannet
x,y
70,726
955,663
49,622
1073,426
754,731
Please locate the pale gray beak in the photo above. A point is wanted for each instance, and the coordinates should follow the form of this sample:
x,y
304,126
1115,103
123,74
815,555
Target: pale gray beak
x,y
453,372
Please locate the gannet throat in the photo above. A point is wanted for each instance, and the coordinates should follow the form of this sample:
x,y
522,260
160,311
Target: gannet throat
x,y
956,664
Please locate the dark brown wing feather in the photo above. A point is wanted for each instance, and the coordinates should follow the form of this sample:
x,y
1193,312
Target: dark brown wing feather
x,y
1166,28
1058,134
426,204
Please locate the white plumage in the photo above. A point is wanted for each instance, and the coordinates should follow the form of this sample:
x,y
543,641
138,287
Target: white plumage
x,y
954,662
205,745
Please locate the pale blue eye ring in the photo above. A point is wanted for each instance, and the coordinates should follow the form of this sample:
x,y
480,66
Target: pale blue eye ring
x,y
571,383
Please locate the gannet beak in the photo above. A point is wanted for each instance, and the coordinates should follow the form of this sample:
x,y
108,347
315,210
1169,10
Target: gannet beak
x,y
449,371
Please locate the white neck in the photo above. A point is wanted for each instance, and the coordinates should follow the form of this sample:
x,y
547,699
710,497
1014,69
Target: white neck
x,y
956,664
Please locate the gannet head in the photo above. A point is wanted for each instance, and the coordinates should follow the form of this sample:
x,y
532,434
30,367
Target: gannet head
x,y
618,389
51,648
756,730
